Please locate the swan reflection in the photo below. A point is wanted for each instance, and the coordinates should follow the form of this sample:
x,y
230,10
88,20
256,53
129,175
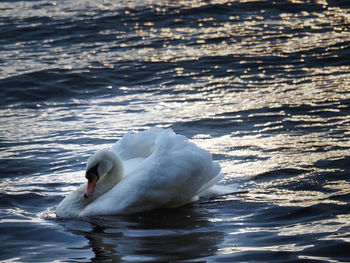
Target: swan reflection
x,y
160,235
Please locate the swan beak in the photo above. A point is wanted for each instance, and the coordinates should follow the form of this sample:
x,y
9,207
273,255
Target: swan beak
x,y
91,184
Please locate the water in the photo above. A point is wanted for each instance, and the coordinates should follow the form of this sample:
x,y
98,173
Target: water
x,y
263,85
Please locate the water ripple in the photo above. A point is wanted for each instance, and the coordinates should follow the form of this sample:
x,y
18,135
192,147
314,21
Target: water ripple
x,y
262,85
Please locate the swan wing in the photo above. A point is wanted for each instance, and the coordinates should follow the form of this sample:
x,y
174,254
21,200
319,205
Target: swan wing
x,y
136,145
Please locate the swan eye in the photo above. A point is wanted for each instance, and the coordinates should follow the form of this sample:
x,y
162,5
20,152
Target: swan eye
x,y
92,172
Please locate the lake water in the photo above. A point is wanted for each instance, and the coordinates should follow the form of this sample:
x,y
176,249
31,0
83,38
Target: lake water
x,y
263,85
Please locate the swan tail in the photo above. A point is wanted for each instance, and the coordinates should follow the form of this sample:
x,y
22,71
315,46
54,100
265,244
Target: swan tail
x,y
215,177
220,190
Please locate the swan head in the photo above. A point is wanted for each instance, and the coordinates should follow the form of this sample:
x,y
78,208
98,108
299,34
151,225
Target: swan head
x,y
100,166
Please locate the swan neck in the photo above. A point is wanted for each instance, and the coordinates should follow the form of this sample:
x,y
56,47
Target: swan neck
x,y
110,179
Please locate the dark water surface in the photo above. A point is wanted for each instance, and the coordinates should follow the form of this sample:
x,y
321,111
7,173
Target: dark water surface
x,y
263,85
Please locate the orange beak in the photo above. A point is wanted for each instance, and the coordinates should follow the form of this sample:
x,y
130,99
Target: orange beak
x,y
91,184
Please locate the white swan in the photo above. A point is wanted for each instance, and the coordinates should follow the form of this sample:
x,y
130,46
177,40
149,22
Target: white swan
x,y
151,169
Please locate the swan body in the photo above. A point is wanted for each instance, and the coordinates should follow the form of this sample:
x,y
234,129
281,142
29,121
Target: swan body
x,y
143,171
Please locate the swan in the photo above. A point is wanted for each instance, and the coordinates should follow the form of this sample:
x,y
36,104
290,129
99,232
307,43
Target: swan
x,y
142,171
